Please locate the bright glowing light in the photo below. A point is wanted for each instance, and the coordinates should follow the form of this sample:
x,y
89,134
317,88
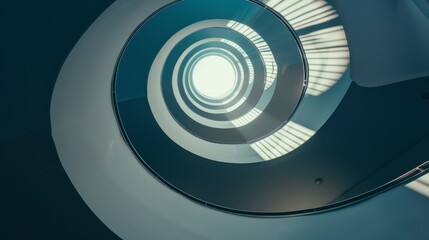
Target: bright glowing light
x,y
214,77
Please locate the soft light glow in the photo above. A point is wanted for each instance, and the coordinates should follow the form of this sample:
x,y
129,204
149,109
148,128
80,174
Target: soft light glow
x,y
285,140
420,185
214,77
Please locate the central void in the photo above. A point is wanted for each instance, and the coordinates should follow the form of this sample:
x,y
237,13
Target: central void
x,y
214,77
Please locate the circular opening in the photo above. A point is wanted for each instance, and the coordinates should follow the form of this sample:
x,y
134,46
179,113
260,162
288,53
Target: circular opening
x,y
214,77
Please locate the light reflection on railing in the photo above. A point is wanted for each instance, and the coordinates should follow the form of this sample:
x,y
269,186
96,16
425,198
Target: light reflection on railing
x,y
328,58
420,185
263,48
285,140
326,50
247,118
303,13
236,105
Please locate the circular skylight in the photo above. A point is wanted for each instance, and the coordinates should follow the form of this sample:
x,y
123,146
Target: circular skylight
x,y
214,77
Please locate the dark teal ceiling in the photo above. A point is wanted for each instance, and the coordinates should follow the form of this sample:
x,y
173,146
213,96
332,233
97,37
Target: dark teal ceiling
x,y
37,199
